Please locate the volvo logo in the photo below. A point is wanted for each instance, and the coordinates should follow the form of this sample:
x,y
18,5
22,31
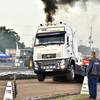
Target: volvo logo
x,y
48,56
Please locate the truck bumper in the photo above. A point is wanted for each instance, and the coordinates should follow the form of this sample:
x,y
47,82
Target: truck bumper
x,y
51,72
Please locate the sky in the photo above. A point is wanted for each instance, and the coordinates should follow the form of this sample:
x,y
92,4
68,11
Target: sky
x,y
24,17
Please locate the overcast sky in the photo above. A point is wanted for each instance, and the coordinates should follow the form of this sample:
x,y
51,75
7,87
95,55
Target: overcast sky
x,y
24,16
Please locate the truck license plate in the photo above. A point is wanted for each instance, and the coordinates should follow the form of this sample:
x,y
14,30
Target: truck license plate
x,y
47,70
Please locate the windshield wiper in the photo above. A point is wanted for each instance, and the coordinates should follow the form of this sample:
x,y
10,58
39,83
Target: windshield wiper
x,y
59,43
55,43
40,44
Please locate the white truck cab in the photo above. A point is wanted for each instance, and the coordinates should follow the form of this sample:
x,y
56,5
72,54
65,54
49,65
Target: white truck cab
x,y
55,52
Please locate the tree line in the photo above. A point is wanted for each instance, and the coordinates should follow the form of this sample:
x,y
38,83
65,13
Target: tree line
x,y
8,39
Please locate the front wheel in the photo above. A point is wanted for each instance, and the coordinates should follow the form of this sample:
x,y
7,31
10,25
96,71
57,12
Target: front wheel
x,y
40,77
71,75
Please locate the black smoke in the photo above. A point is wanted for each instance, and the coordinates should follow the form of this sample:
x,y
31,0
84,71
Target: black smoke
x,y
50,9
51,6
70,1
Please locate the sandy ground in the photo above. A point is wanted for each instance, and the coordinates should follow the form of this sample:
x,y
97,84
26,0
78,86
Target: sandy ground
x,y
31,88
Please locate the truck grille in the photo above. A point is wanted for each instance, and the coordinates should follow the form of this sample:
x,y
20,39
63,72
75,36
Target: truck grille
x,y
46,56
47,63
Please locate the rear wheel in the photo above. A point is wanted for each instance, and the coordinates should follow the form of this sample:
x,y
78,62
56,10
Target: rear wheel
x,y
40,77
71,75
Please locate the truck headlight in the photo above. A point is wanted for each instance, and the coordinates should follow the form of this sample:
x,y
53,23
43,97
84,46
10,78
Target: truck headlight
x,y
50,66
62,66
44,67
36,66
54,66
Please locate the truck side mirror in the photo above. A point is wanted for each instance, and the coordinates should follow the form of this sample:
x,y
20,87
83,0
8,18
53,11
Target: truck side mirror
x,y
33,39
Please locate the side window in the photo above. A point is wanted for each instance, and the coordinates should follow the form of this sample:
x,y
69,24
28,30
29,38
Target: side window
x,y
67,40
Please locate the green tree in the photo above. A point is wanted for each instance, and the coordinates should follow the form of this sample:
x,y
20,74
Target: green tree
x,y
8,39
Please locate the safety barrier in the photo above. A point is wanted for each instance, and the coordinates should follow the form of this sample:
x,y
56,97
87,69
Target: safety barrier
x,y
84,89
11,90
8,92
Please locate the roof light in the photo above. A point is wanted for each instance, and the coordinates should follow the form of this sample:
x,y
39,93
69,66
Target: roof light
x,y
57,22
60,22
53,23
49,23
46,23
40,24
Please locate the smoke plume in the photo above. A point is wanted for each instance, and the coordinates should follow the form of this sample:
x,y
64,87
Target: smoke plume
x,y
50,9
82,20
51,6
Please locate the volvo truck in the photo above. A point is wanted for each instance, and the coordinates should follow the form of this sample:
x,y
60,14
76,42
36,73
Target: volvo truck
x,y
56,53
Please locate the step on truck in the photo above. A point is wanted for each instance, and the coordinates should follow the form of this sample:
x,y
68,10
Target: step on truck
x,y
56,53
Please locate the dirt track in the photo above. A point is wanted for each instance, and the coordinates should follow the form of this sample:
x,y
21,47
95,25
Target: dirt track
x,y
31,88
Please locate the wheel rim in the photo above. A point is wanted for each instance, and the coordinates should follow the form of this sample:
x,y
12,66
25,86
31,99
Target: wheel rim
x,y
73,73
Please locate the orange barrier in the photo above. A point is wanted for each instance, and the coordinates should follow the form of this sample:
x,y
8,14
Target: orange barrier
x,y
85,61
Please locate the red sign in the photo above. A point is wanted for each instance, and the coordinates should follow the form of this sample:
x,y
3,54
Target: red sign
x,y
85,61
12,51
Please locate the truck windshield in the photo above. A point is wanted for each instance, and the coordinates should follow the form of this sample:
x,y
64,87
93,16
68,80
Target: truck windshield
x,y
50,40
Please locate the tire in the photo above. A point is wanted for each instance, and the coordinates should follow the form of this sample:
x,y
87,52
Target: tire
x,y
71,75
40,77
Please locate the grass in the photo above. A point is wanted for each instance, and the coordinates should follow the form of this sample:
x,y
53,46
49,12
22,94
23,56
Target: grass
x,y
98,92
76,97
